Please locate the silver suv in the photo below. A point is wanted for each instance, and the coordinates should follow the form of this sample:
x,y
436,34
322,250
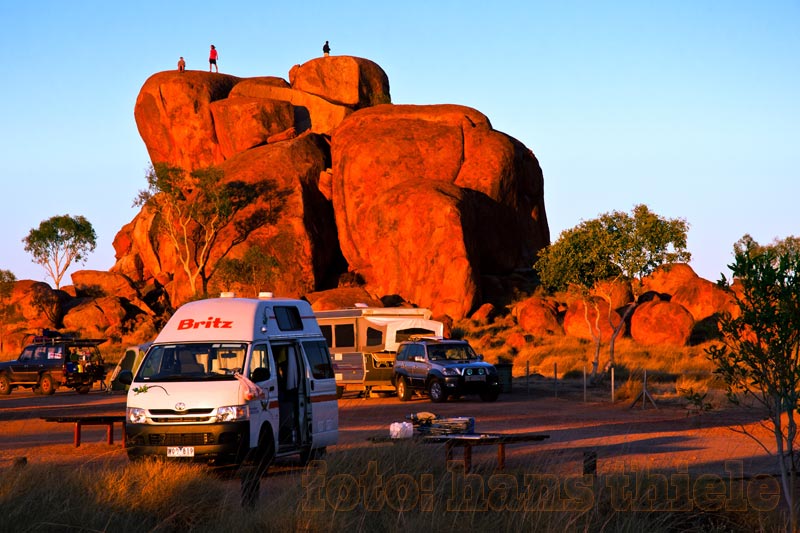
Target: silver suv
x,y
442,368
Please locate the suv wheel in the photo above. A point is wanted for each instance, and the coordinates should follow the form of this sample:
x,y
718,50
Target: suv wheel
x,y
436,391
403,392
46,385
5,385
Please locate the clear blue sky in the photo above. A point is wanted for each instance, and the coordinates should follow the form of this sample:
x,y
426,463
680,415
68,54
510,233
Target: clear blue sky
x,y
689,106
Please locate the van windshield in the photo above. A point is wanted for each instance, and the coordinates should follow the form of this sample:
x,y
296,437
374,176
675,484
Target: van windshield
x,y
192,362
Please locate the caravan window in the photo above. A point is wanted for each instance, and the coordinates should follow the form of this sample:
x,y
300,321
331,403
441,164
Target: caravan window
x,y
344,336
327,332
318,359
374,337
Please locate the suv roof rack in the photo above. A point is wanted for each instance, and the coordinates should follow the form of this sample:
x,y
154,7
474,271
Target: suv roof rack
x,y
425,338
49,336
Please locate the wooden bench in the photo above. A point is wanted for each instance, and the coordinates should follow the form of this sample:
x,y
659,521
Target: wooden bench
x,y
101,420
470,440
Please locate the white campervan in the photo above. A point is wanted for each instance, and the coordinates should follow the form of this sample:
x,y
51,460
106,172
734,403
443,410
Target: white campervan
x,y
230,379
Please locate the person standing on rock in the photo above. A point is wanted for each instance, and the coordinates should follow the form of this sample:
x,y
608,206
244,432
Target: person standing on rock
x,y
326,49
212,59
181,65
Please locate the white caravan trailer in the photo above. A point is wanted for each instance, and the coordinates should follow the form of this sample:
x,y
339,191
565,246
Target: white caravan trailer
x,y
230,379
363,342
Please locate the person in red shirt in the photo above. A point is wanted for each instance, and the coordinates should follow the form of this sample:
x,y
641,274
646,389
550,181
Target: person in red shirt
x,y
212,59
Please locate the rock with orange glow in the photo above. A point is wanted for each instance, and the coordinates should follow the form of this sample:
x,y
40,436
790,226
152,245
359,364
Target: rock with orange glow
x,y
311,112
342,298
659,322
242,123
345,80
301,235
588,321
173,114
618,292
428,198
538,316
93,316
704,299
669,278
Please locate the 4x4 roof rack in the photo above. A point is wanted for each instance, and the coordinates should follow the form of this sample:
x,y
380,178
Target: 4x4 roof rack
x,y
426,338
49,336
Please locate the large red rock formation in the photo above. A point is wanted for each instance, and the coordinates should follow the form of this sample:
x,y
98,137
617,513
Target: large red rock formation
x,y
429,197
417,201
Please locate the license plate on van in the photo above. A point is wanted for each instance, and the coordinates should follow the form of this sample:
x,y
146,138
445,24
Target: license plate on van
x,y
180,451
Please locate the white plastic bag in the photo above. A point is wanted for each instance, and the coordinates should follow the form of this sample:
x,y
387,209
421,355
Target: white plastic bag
x,y
401,430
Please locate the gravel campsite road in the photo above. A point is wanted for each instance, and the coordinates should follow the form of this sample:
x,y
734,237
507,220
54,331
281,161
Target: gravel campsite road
x,y
622,436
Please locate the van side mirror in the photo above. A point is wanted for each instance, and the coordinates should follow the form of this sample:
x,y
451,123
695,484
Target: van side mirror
x,y
125,377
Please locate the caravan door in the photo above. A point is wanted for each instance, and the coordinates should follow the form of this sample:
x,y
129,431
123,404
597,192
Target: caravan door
x,y
323,410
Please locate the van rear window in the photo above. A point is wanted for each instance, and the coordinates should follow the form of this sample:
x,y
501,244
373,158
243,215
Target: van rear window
x,y
288,318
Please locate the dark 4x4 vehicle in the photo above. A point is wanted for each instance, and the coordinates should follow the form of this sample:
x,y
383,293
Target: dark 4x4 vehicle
x,y
442,368
52,361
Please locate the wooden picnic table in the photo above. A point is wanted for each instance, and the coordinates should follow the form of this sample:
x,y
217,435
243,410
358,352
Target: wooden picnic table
x,y
470,440
91,420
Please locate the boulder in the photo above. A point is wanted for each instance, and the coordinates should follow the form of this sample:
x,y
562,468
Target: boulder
x,y
704,299
342,298
538,316
101,283
94,316
618,292
173,114
242,123
575,320
427,198
668,278
345,80
37,302
484,314
310,112
659,322
517,341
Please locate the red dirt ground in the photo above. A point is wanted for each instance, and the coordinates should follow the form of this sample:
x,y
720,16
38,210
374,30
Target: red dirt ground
x,y
624,437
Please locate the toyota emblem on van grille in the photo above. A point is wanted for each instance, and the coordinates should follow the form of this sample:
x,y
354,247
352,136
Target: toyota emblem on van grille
x,y
180,406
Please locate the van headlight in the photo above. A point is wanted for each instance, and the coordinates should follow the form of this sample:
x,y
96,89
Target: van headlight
x,y
231,413
135,415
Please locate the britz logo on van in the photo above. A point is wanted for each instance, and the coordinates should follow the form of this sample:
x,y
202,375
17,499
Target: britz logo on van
x,y
210,323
